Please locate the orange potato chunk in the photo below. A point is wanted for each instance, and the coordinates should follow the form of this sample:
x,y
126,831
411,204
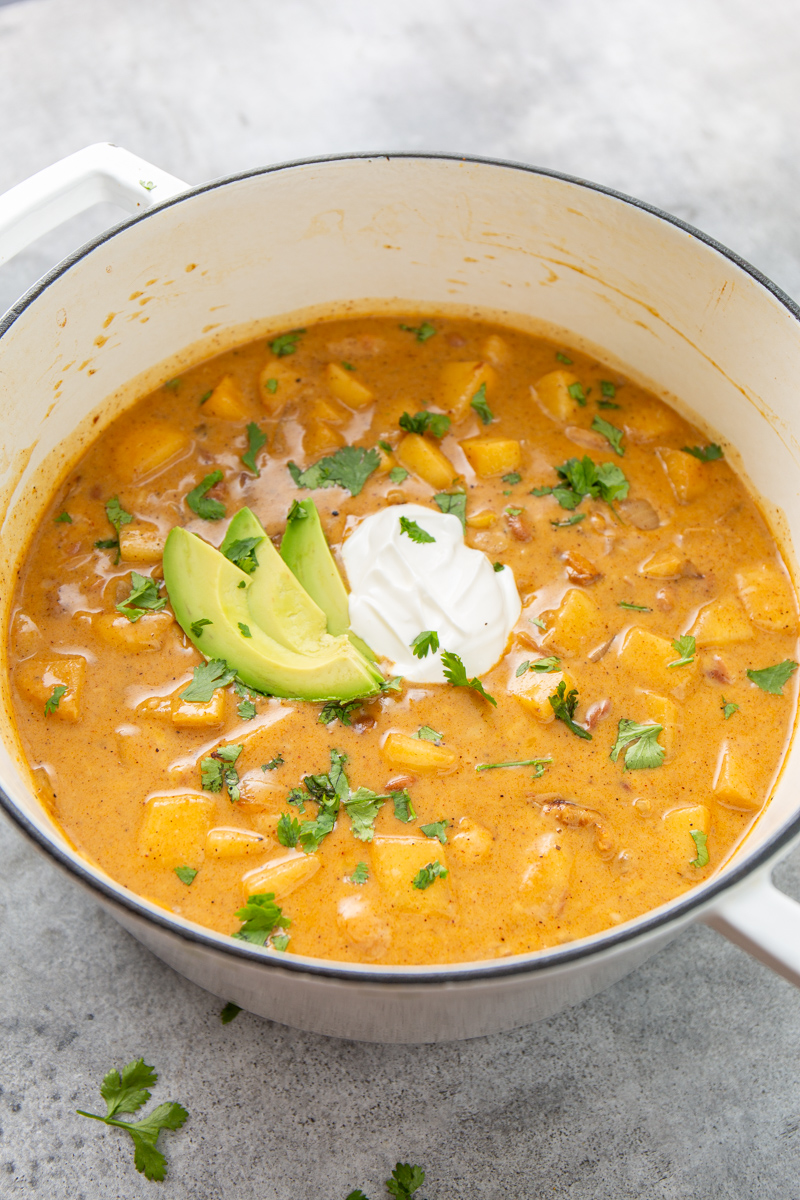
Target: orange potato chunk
x,y
140,544
458,384
664,712
767,600
648,424
37,677
721,623
576,626
677,827
320,439
544,884
401,750
174,829
664,564
492,456
359,922
732,786
471,842
650,655
533,690
282,875
278,383
422,457
346,387
226,401
147,448
147,633
228,842
496,350
398,860
552,392
686,474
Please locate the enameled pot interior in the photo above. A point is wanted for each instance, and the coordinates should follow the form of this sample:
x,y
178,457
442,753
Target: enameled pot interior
x,y
229,261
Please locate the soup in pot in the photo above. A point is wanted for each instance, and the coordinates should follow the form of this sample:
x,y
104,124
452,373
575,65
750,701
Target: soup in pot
x,y
404,641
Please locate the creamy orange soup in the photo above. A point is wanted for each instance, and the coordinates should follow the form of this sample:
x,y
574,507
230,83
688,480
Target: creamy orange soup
x,y
641,704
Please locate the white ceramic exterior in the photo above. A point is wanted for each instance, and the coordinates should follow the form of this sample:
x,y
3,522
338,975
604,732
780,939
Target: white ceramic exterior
x,y
203,268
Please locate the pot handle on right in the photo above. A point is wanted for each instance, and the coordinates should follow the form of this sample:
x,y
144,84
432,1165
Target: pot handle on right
x,y
763,921
95,174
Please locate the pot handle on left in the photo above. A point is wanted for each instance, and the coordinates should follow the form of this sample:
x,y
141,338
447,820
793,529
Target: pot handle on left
x,y
763,921
95,174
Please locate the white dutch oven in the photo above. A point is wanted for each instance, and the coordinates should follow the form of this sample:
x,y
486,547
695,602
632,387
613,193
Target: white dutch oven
x,y
197,269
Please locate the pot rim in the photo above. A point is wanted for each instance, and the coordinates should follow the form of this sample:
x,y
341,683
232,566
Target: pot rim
x,y
676,912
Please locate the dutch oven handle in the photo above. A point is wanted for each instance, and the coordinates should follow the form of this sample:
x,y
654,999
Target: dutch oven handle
x,y
763,921
98,173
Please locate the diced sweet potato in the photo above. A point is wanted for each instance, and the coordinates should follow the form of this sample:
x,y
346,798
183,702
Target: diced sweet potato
x,y
649,656
174,829
147,633
327,410
458,384
496,350
471,842
398,860
184,714
544,884
146,448
226,401
767,600
576,625
278,383
732,786
553,394
648,422
721,623
346,387
664,712
686,474
225,842
281,875
140,544
481,520
368,932
401,750
420,456
664,564
37,678
533,690
492,456
677,827
320,439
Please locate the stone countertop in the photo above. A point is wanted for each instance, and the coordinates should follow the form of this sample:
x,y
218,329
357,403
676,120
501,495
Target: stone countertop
x,y
681,1080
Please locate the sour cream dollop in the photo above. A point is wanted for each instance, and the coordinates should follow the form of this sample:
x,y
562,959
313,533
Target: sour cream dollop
x,y
399,587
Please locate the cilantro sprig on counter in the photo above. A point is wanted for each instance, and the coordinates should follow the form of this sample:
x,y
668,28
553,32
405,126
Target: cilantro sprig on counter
x,y
126,1092
350,468
640,744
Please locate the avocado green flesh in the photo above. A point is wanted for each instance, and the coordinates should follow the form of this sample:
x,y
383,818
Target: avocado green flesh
x,y
305,551
277,601
203,584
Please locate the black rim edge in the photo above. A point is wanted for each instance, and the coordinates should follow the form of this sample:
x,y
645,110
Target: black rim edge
x,y
676,912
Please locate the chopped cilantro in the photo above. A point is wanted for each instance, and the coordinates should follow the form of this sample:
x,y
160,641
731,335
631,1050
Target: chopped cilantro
x,y
394,684
328,791
512,512
117,517
455,503
612,435
348,366
415,531
479,405
563,358
581,478
286,343
186,875
607,404
288,830
563,704
107,544
127,1091
229,1013
437,829
219,770
280,941
538,622
171,383
700,840
633,607
436,424
398,474
260,917
348,468
242,553
359,874
255,440
428,875
273,763
198,501
608,389
424,643
362,807
428,735
423,331
498,566
244,630
685,648
539,765
386,447
456,674
207,677
205,396
542,665
512,477
728,708
573,520
705,453
772,679
54,699
63,519
197,627
143,598
577,393
271,385
403,808
640,743
338,710
247,709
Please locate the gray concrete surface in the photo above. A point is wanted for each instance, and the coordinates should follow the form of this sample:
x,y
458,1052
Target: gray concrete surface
x,y
682,1080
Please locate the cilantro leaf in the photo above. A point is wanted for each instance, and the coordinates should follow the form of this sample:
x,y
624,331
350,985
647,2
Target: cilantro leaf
x,y
197,627
582,477
542,665
273,763
338,710
356,1195
246,710
437,829
772,679
480,406
270,384
577,393
563,358
198,502
360,874
455,503
350,468
255,440
313,832
633,607
423,331
403,808
242,553
126,1091
685,647
705,453
244,630
607,404
280,941
424,643
362,808
728,708
498,566
512,477
422,880
108,544
640,743
395,684
398,474
286,343
219,769
187,876
539,765
415,531
207,677
405,1181
143,598
63,519
563,704
612,435
573,520
436,424
54,699
288,830
117,514
608,389
700,840
229,1013
428,735
259,917
456,674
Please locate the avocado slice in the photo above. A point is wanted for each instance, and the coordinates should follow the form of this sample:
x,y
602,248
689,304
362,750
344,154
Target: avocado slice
x,y
203,584
278,603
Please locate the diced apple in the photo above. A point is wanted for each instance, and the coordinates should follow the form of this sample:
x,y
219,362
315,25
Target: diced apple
x,y
140,544
174,829
492,456
357,919
686,474
398,860
225,842
401,750
649,656
732,787
147,633
533,690
458,384
471,842
721,623
767,599
678,825
146,448
577,624
664,564
226,401
37,677
544,884
420,456
278,383
282,875
346,387
552,392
